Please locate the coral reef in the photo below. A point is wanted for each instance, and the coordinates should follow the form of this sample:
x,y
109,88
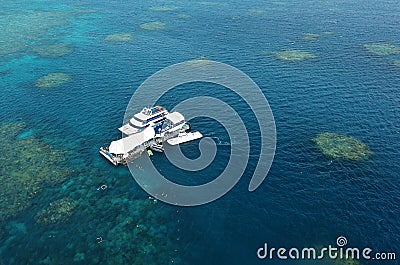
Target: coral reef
x,y
25,134
348,261
183,16
341,146
396,63
164,8
199,62
21,30
52,80
110,226
119,37
257,11
27,166
86,11
57,212
2,233
382,48
153,26
5,72
294,55
210,3
144,234
310,36
53,50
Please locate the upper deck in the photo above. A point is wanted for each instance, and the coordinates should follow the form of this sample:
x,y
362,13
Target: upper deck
x,y
144,118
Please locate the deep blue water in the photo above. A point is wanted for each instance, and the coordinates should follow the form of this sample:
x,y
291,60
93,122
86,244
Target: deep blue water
x,y
306,200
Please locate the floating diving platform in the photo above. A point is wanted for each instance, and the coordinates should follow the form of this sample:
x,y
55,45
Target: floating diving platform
x,y
148,130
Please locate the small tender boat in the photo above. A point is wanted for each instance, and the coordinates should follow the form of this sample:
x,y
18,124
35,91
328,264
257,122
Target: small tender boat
x,y
157,148
184,137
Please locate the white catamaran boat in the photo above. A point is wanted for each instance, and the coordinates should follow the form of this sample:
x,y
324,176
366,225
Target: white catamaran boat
x,y
147,117
148,129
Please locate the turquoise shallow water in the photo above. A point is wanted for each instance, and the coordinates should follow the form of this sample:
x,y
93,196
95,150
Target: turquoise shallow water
x,y
306,200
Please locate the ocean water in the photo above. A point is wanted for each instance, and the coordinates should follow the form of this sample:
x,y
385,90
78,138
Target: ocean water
x,y
306,200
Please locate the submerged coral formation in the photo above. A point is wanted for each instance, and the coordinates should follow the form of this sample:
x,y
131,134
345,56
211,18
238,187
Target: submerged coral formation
x,y
199,62
23,31
164,8
396,63
52,80
183,16
257,11
53,50
119,37
382,48
5,72
156,25
348,261
310,36
57,212
145,233
86,11
2,233
19,28
95,226
341,146
294,55
34,165
211,3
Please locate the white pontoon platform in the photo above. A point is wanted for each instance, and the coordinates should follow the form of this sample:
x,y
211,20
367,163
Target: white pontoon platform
x,y
148,129
184,137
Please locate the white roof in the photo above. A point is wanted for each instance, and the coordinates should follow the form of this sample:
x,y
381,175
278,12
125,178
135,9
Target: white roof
x,y
175,117
128,129
124,145
142,116
147,113
136,122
